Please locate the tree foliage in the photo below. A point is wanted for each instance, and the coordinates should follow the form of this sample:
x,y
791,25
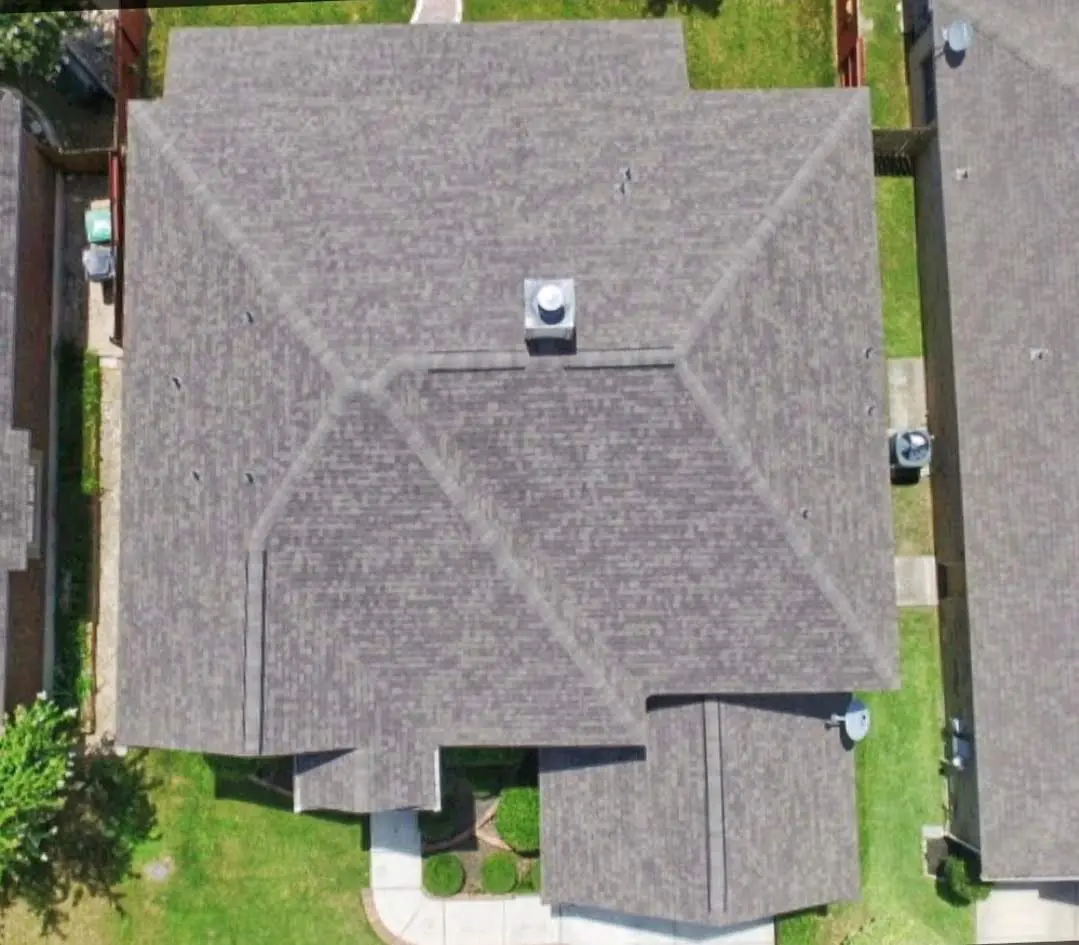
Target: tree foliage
x,y
37,752
30,43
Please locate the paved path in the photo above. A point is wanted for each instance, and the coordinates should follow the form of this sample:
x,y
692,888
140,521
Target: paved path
x,y
916,581
1045,913
411,917
437,11
906,393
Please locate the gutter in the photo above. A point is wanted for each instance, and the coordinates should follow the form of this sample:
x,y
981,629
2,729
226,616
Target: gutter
x,y
49,653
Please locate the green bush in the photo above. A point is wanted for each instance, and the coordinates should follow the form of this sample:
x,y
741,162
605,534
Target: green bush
x,y
518,819
443,875
500,873
959,876
455,816
533,881
37,752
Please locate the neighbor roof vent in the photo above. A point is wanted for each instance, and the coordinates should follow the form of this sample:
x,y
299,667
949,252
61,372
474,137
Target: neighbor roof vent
x,y
550,309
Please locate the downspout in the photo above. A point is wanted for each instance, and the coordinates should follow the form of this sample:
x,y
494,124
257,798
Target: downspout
x,y
49,650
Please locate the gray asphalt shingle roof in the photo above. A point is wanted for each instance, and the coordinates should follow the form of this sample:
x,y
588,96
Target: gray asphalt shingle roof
x,y
361,522
622,828
1009,114
14,444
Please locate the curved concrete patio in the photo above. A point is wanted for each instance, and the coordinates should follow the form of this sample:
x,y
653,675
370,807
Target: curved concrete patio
x,y
403,913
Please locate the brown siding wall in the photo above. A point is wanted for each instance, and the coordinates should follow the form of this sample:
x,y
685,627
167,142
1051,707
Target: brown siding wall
x,y
33,347
945,473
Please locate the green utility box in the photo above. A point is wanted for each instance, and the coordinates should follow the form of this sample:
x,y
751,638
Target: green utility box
x,y
99,225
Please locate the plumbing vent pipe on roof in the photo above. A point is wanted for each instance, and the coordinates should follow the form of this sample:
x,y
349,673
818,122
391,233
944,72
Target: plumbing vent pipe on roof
x,y
550,309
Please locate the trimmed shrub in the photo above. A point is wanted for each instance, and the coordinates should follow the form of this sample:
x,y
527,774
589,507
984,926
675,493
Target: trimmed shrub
x,y
456,814
518,819
500,873
443,875
533,880
959,877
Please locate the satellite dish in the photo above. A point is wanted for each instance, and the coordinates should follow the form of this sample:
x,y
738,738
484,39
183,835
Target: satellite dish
x,y
854,721
958,36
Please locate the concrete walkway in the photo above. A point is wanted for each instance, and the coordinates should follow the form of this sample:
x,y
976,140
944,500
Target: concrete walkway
x,y
437,11
906,393
403,913
1041,913
916,581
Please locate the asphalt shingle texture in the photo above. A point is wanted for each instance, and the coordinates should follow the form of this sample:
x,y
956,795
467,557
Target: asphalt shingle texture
x,y
15,469
362,522
1010,114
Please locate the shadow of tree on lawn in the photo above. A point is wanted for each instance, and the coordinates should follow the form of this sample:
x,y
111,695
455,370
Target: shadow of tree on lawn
x,y
108,814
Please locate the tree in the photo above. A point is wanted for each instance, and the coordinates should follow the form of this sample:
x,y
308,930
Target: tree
x,y
37,754
30,43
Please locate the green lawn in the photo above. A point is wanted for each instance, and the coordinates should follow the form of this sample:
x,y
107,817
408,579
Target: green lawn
x,y
730,43
899,792
913,515
886,75
78,485
246,870
316,12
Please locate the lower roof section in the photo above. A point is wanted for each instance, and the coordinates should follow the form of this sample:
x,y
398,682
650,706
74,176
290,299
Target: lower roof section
x,y
738,809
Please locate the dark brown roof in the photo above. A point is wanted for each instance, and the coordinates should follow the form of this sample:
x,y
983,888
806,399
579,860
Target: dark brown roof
x,y
1009,113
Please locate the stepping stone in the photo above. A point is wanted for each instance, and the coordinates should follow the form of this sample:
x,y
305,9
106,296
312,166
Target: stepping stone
x,y
916,581
906,393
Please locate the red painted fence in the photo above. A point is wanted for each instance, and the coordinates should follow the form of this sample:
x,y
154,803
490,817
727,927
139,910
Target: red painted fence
x,y
132,29
850,49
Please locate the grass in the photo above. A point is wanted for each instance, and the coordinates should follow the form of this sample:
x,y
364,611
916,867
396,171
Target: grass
x,y
886,76
913,514
899,791
730,43
78,485
312,13
246,870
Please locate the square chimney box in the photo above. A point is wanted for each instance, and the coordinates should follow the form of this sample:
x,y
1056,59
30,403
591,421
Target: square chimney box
x,y
550,309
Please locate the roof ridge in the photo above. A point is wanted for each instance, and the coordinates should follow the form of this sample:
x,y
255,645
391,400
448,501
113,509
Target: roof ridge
x,y
768,227
757,482
757,243
488,535
291,314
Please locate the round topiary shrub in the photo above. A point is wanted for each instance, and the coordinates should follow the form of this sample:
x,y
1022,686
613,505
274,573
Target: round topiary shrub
x,y
500,873
518,819
959,877
443,875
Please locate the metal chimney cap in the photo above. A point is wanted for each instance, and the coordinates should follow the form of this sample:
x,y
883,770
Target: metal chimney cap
x,y
550,298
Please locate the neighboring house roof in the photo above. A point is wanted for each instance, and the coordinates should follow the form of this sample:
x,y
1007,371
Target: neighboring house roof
x,y
1010,114
361,522
15,467
736,809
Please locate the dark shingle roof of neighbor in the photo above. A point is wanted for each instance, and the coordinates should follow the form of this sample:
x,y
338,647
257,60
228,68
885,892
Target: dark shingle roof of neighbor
x,y
442,540
14,444
687,828
1010,113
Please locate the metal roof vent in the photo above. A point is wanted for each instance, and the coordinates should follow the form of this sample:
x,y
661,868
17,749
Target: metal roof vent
x,y
550,309
854,721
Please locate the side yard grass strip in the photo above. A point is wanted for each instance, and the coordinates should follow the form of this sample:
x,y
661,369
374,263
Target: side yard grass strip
x,y
78,486
900,790
730,43
887,79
